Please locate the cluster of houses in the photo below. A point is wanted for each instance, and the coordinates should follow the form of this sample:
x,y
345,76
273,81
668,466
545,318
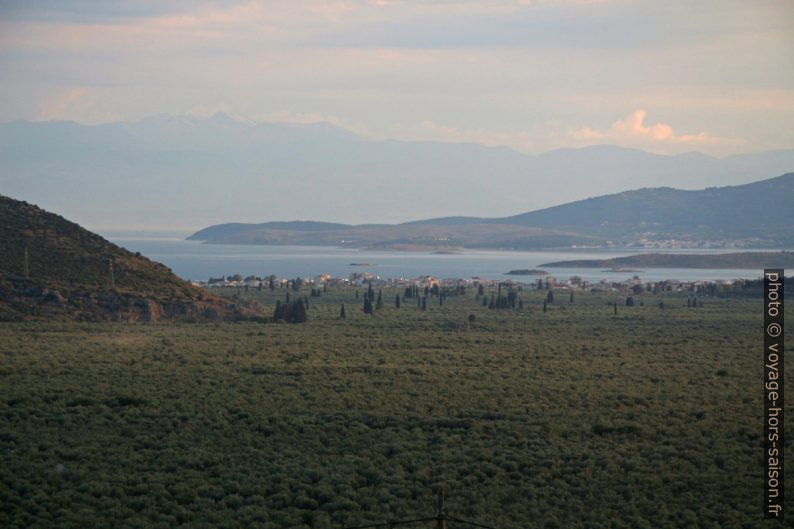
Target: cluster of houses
x,y
364,279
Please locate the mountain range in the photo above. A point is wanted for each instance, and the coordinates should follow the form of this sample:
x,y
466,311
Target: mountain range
x,y
188,172
752,215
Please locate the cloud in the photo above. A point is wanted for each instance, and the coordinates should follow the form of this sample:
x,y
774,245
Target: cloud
x,y
632,131
530,74
76,103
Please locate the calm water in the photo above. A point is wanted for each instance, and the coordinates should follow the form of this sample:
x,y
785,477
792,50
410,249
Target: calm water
x,y
198,261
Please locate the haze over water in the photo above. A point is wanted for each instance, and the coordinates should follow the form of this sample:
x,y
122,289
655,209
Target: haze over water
x,y
198,261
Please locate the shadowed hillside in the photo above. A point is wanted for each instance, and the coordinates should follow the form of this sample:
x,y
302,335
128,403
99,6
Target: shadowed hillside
x,y
51,268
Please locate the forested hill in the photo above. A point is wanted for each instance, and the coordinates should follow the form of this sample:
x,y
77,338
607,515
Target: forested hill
x,y
758,210
51,268
751,215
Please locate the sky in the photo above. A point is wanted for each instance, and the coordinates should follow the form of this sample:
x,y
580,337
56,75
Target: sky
x,y
535,75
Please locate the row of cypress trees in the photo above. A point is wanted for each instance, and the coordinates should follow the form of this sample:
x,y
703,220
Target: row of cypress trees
x,y
294,312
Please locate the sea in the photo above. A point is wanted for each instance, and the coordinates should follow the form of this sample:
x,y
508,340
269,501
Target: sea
x,y
199,261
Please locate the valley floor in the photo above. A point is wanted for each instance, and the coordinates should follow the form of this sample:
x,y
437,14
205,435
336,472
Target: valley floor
x,y
575,417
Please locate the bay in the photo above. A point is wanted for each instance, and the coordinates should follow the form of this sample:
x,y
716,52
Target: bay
x,y
199,261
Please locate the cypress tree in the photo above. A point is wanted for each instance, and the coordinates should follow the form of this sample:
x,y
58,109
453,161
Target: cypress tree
x,y
424,303
544,305
571,300
550,296
615,305
342,312
397,301
298,312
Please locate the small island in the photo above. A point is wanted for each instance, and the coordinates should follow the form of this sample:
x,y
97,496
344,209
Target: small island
x,y
363,264
526,272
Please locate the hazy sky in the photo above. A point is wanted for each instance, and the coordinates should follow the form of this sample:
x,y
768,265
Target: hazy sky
x,y
665,76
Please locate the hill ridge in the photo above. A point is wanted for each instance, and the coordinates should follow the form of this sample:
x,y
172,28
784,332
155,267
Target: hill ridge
x,y
732,216
52,268
228,165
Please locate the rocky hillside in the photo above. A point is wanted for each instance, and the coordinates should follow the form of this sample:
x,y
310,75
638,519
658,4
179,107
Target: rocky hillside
x,y
51,268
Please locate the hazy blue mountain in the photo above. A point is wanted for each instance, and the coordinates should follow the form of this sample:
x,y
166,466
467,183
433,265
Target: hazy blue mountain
x,y
168,171
750,215
760,210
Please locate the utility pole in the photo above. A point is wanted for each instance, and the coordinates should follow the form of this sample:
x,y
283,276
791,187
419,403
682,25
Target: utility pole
x,y
441,517
26,264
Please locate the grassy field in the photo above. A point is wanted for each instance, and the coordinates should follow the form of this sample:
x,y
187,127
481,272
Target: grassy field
x,y
576,417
